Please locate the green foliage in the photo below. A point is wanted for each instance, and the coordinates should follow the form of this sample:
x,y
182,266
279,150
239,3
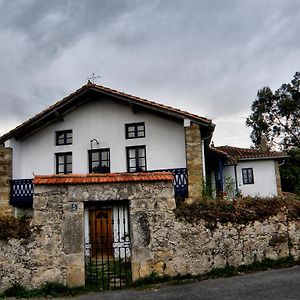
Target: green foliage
x,y
290,172
17,228
48,289
240,211
263,265
276,115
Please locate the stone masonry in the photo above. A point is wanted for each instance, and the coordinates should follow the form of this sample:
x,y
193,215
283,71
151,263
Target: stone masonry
x,y
161,244
278,181
194,163
5,177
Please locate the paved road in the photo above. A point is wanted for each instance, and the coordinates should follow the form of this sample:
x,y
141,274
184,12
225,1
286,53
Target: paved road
x,y
273,284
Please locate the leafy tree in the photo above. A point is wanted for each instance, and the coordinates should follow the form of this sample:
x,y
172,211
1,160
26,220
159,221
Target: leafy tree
x,y
277,115
290,172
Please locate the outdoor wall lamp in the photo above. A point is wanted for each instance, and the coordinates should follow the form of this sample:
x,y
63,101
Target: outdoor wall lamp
x,y
92,141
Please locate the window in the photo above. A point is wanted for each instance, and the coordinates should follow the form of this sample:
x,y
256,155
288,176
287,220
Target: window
x,y
64,137
136,159
99,161
248,176
63,163
135,130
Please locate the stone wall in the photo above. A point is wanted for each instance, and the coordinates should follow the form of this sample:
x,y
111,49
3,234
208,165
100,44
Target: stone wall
x,y
194,163
55,251
5,177
161,243
182,248
278,180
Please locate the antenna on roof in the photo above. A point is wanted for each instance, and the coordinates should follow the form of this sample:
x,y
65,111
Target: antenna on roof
x,y
92,78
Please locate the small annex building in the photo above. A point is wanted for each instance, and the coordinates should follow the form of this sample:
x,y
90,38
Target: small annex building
x,y
248,172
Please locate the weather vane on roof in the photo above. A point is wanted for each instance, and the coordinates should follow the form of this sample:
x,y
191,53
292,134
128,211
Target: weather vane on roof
x,y
93,77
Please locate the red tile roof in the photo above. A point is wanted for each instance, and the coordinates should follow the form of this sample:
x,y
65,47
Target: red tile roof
x,y
56,110
101,178
235,154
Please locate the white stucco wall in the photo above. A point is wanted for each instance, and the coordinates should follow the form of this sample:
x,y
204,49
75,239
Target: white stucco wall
x,y
264,178
103,120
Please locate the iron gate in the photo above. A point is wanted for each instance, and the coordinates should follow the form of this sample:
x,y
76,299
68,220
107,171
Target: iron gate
x,y
107,245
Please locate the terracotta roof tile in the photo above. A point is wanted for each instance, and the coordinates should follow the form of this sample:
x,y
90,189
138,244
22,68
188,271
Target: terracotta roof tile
x,y
235,154
101,178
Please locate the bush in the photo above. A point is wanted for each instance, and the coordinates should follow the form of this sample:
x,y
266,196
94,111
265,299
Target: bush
x,y
17,228
240,211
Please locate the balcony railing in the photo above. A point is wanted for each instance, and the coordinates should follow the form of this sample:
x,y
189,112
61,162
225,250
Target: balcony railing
x,y
22,190
21,193
180,181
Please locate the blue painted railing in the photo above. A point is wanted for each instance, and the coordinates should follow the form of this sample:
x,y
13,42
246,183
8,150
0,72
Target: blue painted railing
x,y
21,193
180,181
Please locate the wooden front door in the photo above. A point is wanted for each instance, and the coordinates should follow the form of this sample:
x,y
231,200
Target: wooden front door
x,y
101,232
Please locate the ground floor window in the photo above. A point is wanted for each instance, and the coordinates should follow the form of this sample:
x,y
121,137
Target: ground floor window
x,y
248,177
136,159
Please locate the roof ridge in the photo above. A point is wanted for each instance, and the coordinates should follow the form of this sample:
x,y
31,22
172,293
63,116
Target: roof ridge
x,y
50,109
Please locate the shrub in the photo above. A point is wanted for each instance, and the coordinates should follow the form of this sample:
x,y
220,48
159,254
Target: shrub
x,y
240,211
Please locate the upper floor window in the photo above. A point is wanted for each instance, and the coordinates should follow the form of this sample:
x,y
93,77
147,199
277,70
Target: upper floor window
x,y
247,174
135,130
99,161
63,163
64,137
136,159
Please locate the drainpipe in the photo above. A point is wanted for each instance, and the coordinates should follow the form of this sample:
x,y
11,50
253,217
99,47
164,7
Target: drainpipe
x,y
203,162
236,181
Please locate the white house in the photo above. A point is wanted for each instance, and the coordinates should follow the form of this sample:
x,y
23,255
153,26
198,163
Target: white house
x,y
249,172
100,130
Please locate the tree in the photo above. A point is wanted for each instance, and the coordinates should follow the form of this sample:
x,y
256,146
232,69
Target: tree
x,y
277,116
290,172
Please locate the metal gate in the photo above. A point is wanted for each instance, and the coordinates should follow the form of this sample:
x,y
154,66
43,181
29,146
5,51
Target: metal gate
x,y
107,245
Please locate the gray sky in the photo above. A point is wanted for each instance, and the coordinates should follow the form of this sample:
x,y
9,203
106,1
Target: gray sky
x,y
208,57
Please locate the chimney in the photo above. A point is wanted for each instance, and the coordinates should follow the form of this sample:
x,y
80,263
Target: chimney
x,y
263,143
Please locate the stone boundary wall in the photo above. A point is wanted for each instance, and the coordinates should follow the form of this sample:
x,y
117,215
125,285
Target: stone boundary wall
x,y
178,248
161,244
5,177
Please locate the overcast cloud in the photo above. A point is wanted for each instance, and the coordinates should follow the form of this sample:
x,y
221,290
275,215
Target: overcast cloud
x,y
207,57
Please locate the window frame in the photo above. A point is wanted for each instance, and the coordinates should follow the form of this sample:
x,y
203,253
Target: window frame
x,y
100,151
64,138
136,148
135,130
65,163
246,178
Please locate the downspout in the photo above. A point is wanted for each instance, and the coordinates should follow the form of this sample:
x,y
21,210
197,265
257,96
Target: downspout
x,y
203,162
236,181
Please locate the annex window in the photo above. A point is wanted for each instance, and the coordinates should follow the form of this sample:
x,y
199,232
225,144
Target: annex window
x,y
247,174
99,161
64,163
64,137
135,130
136,159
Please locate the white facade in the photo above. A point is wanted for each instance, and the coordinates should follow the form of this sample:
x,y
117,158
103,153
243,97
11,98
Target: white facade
x,y
264,178
105,121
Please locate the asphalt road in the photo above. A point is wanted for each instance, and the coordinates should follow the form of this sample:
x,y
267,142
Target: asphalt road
x,y
272,284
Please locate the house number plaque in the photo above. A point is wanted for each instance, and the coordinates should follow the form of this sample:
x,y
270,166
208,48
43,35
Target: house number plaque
x,y
74,206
